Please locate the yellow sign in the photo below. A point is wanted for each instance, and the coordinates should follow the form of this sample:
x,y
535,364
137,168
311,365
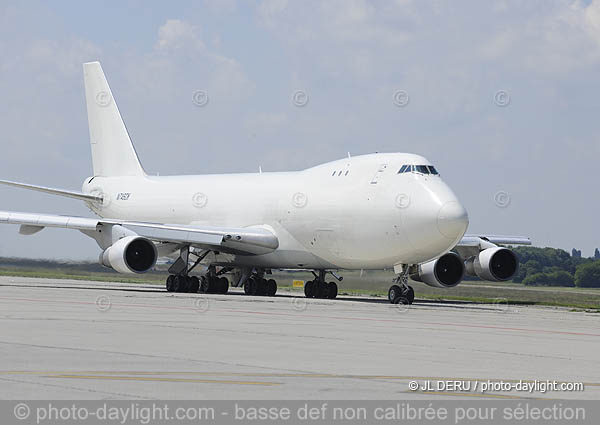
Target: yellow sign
x,y
298,284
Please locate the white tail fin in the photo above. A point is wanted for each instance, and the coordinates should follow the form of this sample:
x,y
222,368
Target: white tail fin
x,y
113,153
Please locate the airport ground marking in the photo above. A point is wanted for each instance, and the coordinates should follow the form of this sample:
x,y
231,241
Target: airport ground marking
x,y
272,375
158,379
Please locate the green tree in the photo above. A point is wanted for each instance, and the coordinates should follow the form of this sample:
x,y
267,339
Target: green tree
x,y
557,278
588,275
536,279
560,278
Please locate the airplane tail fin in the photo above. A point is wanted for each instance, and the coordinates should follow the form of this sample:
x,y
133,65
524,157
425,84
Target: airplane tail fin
x,y
113,153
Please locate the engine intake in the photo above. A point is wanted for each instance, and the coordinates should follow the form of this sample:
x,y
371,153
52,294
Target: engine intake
x,y
131,254
444,272
495,264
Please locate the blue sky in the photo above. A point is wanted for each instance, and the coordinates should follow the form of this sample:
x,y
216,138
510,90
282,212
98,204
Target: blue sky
x,y
350,57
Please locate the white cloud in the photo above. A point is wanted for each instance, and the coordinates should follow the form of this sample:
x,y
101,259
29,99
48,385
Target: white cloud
x,y
177,34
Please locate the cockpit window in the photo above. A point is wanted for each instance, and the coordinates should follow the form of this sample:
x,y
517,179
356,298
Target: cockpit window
x,y
432,170
423,169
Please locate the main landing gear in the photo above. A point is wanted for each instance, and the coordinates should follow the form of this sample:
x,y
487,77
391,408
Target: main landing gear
x,y
258,285
208,284
182,283
179,279
401,292
319,288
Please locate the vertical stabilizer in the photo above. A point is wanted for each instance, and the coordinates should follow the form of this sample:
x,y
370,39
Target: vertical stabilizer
x,y
113,153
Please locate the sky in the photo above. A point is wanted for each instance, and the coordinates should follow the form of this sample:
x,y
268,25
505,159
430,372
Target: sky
x,y
503,97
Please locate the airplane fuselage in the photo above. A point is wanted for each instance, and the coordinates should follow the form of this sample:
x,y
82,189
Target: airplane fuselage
x,y
354,213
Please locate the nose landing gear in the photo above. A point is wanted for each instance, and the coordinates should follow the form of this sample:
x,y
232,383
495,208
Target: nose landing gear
x,y
401,292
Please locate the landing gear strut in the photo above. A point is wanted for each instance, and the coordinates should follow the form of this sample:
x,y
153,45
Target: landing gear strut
x,y
401,292
319,288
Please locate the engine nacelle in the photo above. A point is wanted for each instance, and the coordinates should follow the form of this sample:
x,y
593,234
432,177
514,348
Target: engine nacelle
x,y
495,264
131,254
444,272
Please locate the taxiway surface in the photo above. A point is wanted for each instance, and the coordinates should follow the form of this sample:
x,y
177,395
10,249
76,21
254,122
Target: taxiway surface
x,y
62,339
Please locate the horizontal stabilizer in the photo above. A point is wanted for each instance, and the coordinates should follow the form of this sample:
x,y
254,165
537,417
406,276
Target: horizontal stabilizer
x,y
61,192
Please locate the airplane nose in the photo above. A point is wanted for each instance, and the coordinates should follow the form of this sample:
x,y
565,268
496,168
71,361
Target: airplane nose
x,y
452,220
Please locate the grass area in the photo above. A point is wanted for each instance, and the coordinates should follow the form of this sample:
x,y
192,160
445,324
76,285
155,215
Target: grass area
x,y
83,275
371,283
377,283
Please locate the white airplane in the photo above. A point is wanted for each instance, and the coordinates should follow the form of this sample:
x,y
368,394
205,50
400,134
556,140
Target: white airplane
x,y
384,210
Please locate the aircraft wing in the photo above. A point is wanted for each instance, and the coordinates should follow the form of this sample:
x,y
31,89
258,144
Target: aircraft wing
x,y
471,245
247,240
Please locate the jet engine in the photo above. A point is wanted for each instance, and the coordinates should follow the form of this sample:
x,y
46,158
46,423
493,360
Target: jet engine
x,y
131,254
444,272
495,264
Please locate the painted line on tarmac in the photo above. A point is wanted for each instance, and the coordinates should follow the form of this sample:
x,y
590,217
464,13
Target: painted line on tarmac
x,y
157,379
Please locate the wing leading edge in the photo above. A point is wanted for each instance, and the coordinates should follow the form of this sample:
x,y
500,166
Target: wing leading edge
x,y
248,240
471,245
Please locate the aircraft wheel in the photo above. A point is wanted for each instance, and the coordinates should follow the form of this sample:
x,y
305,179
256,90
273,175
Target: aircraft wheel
x,y
247,286
332,290
224,285
261,287
394,292
252,286
271,287
178,283
204,284
410,295
194,284
187,283
401,300
309,289
320,289
169,283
